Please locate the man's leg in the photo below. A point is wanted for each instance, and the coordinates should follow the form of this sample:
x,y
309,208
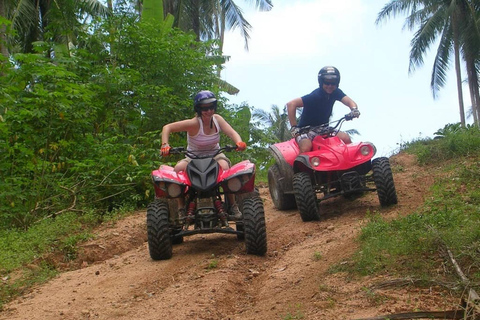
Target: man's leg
x,y
344,136
305,145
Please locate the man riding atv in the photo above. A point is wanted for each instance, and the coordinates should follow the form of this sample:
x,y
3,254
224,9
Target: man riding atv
x,y
320,161
317,107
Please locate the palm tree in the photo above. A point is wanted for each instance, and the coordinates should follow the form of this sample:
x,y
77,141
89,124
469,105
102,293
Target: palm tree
x,y
471,52
209,19
32,20
275,122
444,18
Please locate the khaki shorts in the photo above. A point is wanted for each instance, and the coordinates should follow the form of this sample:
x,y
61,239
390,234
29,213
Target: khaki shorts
x,y
219,156
310,135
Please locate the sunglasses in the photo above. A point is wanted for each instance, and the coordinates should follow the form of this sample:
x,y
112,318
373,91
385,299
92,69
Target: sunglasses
x,y
330,83
208,108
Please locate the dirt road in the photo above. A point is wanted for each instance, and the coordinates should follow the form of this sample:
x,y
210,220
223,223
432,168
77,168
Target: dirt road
x,y
211,277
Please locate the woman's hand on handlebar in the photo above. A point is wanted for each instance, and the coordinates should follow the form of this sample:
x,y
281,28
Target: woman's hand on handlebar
x,y
165,150
241,146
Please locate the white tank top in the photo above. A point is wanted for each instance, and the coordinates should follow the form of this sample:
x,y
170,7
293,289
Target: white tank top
x,y
203,144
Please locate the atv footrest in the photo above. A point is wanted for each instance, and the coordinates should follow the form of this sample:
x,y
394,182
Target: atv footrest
x,y
207,230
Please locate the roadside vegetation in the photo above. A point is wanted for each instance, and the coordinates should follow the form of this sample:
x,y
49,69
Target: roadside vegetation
x,y
419,246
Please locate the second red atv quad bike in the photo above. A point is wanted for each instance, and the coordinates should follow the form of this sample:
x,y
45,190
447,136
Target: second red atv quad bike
x,y
331,169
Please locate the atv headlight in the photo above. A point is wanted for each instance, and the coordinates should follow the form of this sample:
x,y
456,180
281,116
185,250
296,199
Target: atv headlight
x,y
365,150
234,184
315,161
371,146
161,185
174,190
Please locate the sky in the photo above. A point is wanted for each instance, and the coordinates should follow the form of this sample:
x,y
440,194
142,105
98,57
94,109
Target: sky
x,y
291,43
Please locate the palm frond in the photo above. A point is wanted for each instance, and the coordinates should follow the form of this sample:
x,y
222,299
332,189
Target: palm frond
x,y
442,61
424,37
234,19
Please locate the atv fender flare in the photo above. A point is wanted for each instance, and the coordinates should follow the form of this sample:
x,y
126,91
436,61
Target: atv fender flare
x,y
302,163
285,169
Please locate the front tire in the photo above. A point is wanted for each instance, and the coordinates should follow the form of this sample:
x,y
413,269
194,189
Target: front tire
x,y
158,231
383,177
276,186
305,197
254,226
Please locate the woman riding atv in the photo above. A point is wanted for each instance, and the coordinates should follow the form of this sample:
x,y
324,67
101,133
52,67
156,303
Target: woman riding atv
x,y
203,137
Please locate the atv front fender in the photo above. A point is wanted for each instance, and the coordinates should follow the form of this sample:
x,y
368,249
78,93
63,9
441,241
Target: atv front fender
x,y
286,169
302,163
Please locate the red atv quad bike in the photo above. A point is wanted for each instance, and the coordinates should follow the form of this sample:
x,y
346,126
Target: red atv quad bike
x,y
331,169
204,185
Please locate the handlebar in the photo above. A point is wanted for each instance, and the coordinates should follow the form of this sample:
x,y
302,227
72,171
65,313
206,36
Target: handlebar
x,y
195,155
325,129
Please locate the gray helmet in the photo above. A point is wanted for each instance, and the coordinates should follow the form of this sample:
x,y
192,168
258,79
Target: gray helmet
x,y
204,97
328,73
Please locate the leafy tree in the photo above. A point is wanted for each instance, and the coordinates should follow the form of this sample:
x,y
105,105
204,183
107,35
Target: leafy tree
x,y
41,20
84,132
442,19
209,19
274,122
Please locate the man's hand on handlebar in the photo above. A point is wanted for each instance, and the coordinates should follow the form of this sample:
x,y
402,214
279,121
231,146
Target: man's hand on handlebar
x,y
353,114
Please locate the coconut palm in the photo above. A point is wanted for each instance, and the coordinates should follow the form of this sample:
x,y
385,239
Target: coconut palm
x,y
32,20
471,52
278,124
443,19
275,122
209,19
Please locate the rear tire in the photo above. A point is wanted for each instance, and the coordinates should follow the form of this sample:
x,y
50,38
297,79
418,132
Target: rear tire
x,y
254,226
383,177
158,231
305,197
353,183
276,186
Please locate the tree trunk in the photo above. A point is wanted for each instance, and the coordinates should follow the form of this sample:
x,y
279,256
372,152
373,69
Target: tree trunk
x,y
473,85
3,31
196,19
458,71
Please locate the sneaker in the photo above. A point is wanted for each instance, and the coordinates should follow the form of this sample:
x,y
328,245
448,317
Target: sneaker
x,y
235,212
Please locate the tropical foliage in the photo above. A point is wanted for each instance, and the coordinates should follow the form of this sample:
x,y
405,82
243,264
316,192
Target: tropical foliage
x,y
211,18
79,124
454,25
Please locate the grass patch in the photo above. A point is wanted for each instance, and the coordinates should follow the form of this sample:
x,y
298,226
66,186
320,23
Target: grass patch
x,y
317,256
295,314
414,245
451,142
30,257
213,263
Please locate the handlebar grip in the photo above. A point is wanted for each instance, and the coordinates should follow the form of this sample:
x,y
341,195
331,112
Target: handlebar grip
x,y
177,150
